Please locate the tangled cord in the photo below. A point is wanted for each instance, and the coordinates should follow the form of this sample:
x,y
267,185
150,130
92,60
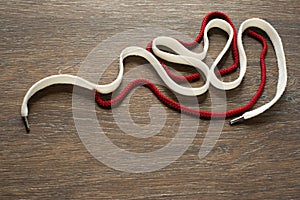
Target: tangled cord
x,y
187,57
181,108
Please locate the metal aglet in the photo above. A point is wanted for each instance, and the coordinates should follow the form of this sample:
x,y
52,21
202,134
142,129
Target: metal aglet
x,y
237,120
25,120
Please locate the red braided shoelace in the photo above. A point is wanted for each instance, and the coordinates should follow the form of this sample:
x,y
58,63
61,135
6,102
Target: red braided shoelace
x,y
193,77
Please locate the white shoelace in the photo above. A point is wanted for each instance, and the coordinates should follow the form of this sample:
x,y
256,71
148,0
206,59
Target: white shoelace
x,y
183,56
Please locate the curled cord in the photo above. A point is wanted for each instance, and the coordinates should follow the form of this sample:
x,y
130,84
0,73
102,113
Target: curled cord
x,y
197,63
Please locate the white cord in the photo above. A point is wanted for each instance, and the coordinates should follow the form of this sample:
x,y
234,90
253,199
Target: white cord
x,y
184,57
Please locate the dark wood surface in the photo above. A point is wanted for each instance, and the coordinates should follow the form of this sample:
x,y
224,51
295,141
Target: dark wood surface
x,y
258,159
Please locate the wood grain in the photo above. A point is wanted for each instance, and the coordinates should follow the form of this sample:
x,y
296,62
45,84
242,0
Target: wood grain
x,y
258,159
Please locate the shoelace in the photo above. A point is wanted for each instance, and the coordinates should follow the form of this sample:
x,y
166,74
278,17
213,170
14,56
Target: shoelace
x,y
166,76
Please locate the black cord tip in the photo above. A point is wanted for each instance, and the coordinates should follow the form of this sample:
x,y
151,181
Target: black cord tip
x,y
25,120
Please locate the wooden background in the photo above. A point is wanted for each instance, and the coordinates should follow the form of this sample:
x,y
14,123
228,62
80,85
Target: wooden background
x,y
258,159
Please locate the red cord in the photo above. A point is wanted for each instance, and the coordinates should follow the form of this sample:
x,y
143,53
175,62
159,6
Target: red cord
x,y
181,108
175,105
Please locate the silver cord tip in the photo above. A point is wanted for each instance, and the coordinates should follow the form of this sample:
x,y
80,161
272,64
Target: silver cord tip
x,y
25,120
237,120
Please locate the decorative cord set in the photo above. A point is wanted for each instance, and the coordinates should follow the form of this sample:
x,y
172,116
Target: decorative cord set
x,y
184,56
